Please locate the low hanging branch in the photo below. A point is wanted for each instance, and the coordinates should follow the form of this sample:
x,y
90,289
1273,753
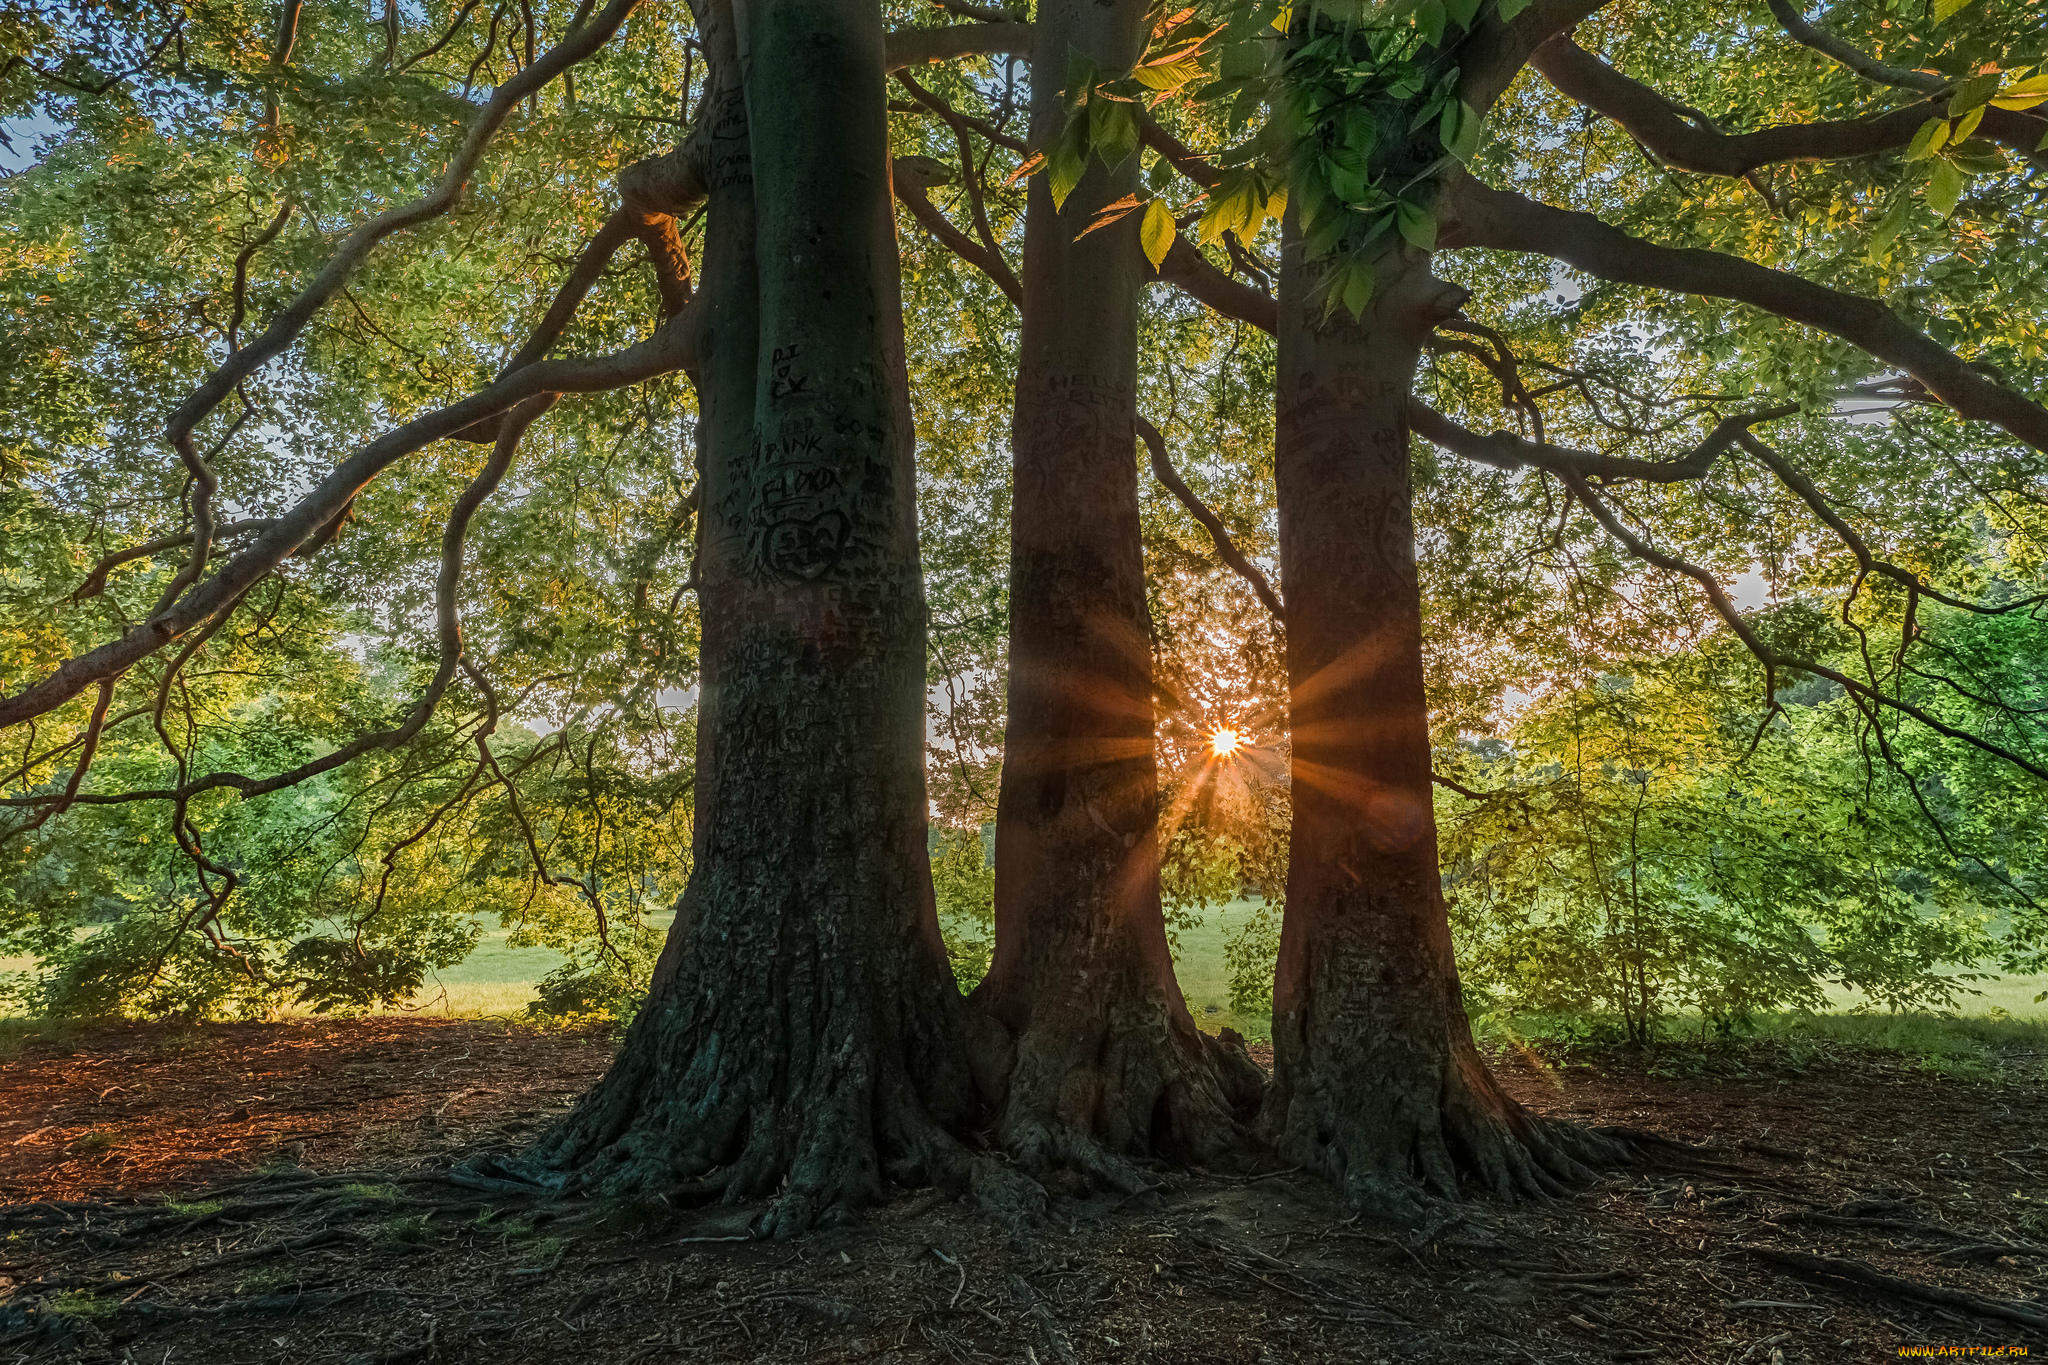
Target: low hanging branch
x,y
1867,562
1773,660
1486,217
669,349
448,631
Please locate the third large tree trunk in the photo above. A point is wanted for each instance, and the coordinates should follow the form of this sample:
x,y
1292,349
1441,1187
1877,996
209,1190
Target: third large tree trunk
x,y
1108,1060
1376,1080
803,1035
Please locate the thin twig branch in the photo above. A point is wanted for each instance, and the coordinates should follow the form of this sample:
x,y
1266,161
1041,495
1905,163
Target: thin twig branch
x,y
1226,548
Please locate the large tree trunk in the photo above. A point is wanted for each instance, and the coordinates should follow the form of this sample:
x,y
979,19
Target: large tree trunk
x,y
1376,1080
803,1033
1108,1060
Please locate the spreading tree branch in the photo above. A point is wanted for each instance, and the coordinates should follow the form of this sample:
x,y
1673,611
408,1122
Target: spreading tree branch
x,y
1775,661
912,178
1658,124
970,179
1505,450
929,46
1851,56
286,326
1487,217
669,349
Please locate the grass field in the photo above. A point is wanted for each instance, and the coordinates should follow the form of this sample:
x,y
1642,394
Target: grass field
x,y
498,979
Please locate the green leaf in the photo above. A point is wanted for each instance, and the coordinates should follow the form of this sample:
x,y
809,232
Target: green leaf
x,y
1463,12
1972,93
1430,18
1063,172
1112,131
1978,157
1510,8
1967,125
1928,140
1886,230
1417,224
1944,188
1156,232
1323,238
1242,61
1357,288
1945,10
1461,129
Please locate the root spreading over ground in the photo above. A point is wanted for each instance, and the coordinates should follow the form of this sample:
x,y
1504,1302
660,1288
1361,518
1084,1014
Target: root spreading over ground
x,y
299,1193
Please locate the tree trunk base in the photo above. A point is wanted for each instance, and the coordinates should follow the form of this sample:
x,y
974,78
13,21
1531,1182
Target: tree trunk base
x,y
1397,1141
1136,1086
703,1107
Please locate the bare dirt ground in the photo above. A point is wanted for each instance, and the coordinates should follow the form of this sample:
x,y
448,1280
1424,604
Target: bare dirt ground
x,y
288,1192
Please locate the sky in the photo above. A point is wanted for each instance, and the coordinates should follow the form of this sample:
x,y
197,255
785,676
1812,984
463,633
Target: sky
x,y
25,133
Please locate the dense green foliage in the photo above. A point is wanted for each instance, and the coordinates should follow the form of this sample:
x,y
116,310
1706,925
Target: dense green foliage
x,y
1654,824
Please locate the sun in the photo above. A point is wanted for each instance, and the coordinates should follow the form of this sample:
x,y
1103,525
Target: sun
x,y
1225,742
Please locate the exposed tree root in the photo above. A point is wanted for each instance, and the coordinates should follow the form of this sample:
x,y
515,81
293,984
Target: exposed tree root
x,y
737,1094
1091,1095
1396,1140
1840,1274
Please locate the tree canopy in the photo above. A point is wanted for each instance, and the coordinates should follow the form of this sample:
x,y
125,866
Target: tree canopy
x,y
1729,491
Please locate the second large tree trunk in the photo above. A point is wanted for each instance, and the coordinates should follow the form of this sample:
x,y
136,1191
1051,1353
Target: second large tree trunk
x,y
1376,1083
803,1036
1109,1062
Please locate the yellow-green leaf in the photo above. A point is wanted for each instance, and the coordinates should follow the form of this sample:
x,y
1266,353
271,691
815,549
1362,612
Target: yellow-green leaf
x,y
1155,232
1947,9
1169,75
1928,140
2024,94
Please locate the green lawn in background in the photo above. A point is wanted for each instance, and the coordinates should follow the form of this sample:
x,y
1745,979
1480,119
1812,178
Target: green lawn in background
x,y
498,979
